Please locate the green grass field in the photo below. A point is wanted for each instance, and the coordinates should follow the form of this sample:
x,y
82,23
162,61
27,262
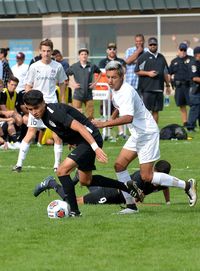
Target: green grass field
x,y
158,238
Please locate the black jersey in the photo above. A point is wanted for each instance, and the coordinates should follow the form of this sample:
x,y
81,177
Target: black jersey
x,y
146,187
148,62
58,118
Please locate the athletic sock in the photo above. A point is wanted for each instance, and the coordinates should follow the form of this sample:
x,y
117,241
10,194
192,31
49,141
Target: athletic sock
x,y
23,150
99,180
164,179
59,190
69,190
124,177
58,148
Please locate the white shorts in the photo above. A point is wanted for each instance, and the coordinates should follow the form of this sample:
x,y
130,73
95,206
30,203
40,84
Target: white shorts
x,y
36,123
146,146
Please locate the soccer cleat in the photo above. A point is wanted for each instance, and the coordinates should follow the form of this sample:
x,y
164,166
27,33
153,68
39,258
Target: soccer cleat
x,y
13,146
134,191
75,214
48,183
17,169
128,211
192,192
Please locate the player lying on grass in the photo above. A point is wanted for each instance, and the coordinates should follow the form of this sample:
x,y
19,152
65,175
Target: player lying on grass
x,y
76,130
143,142
109,195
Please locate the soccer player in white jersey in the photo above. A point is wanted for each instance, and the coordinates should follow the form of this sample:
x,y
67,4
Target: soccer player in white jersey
x,y
43,75
142,143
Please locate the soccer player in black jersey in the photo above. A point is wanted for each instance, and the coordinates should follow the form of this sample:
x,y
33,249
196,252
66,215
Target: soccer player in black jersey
x,y
76,130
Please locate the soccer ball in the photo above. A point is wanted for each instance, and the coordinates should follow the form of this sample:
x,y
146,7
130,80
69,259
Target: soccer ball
x,y
58,209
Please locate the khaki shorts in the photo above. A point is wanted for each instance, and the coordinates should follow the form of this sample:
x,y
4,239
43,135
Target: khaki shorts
x,y
89,107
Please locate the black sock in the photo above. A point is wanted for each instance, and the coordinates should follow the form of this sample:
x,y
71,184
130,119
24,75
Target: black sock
x,y
69,191
99,180
59,190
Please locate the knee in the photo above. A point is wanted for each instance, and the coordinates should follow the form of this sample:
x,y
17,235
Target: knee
x,y
62,171
119,167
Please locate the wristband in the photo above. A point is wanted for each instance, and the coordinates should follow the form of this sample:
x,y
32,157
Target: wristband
x,y
94,146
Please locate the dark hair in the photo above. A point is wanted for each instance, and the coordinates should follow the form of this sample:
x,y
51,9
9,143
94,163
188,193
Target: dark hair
x,y
56,52
13,78
163,166
83,50
33,97
4,51
139,36
46,42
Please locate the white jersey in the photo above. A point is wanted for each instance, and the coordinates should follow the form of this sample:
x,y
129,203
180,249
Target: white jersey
x,y
128,102
20,72
44,77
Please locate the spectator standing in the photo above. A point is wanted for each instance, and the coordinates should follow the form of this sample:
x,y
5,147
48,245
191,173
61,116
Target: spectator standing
x,y
131,57
180,76
152,70
194,112
112,55
59,58
20,70
43,75
83,72
6,70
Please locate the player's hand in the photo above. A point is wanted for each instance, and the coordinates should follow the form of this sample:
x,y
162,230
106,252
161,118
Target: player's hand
x,y
101,156
98,123
92,85
76,85
153,73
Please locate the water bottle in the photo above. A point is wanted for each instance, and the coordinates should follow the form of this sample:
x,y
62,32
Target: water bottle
x,y
166,100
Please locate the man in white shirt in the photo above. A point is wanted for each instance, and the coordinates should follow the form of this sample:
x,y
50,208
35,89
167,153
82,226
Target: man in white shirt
x,y
20,70
142,143
43,75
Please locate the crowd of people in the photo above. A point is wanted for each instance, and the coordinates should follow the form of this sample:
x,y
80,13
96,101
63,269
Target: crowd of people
x,y
33,102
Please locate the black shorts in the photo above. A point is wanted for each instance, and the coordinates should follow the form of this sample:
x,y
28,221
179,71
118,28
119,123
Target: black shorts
x,y
103,195
182,96
153,100
84,155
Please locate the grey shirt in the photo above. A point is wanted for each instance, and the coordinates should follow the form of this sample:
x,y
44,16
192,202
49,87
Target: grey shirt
x,y
83,76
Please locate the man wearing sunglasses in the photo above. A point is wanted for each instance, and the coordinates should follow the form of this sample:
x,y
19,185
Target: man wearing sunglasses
x,y
152,69
111,55
180,75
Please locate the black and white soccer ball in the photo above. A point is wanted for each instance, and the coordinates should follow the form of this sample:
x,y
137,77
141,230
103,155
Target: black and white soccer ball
x,y
58,209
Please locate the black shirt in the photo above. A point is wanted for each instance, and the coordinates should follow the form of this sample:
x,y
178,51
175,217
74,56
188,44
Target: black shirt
x,y
83,76
105,61
147,187
180,68
58,118
148,62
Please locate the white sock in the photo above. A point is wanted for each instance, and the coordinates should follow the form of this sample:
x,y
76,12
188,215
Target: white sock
x,y
23,150
124,177
58,148
164,179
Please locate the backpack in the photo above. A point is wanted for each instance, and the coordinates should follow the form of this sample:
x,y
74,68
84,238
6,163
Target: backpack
x,y
173,131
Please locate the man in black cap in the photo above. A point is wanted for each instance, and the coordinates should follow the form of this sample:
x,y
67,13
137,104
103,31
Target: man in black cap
x,y
152,69
180,75
194,113
111,55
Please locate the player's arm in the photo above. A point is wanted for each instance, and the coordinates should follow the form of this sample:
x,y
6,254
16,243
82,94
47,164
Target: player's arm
x,y
166,195
81,129
133,57
113,122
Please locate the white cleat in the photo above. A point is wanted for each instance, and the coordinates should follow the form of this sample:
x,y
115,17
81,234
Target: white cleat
x,y
128,211
192,192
